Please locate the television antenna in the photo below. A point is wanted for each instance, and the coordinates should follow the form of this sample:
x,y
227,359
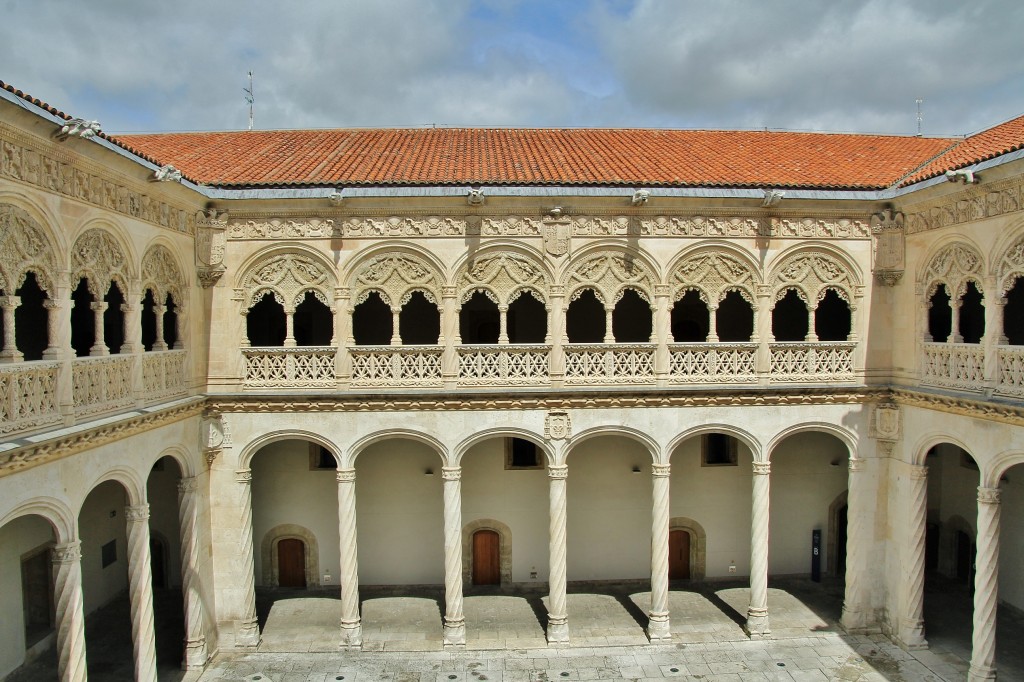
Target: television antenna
x,y
249,98
919,102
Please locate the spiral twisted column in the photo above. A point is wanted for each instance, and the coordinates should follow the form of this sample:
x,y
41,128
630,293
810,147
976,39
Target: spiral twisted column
x,y
558,618
854,614
247,630
757,611
986,587
196,652
351,624
658,618
454,618
70,612
140,590
911,632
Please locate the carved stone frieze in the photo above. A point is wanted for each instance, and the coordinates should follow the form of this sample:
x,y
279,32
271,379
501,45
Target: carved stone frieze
x,y
210,244
964,208
62,173
24,248
889,248
713,274
97,256
278,228
504,275
817,228
512,226
592,226
395,276
395,226
954,266
287,277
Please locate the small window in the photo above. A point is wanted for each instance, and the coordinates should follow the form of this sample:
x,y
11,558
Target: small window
x,y
108,553
522,454
718,450
321,459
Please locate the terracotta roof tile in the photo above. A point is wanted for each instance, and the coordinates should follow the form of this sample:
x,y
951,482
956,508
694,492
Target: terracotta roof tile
x,y
1001,139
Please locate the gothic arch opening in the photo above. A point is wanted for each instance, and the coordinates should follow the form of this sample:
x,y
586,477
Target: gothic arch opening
x,y
734,318
372,321
690,319
940,315
479,320
832,318
1013,314
527,319
419,322
265,322
585,319
31,320
313,322
83,320
632,321
972,315
789,318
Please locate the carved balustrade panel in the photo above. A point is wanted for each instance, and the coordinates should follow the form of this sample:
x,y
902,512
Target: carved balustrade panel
x,y
953,365
163,374
396,366
713,363
28,396
620,363
1011,371
305,367
102,383
812,362
519,365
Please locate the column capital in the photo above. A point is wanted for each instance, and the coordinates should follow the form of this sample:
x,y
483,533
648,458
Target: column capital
x,y
244,476
661,470
188,485
918,472
662,291
10,302
346,476
98,306
137,513
558,471
451,473
67,553
761,468
988,495
52,304
448,291
856,465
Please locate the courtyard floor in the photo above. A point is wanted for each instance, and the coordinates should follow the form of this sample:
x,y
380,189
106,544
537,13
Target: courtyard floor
x,y
505,639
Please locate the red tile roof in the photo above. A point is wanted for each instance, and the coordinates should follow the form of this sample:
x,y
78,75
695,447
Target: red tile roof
x,y
988,144
593,157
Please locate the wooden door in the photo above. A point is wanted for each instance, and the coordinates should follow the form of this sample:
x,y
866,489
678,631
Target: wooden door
x,y
486,558
679,555
291,563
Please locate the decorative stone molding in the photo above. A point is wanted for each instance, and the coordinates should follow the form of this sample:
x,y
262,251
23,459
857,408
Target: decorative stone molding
x,y
761,468
67,175
713,274
269,556
97,256
504,549
346,476
1007,414
954,266
451,473
395,226
885,421
856,465
661,470
283,228
598,226
24,248
988,495
609,274
513,226
287,277
817,228
1011,266
395,276
502,275
968,205
557,425
558,472
811,275
889,247
244,477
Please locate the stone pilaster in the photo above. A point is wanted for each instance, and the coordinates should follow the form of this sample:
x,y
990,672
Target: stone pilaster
x,y
196,652
658,627
449,338
70,612
757,612
454,618
558,617
986,587
351,625
911,625
855,616
661,333
556,335
140,591
247,630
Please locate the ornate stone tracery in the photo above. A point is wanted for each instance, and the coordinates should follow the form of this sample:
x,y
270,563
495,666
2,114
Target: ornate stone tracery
x,y
955,265
287,277
811,275
395,276
712,275
98,257
609,274
1011,266
502,277
161,274
24,248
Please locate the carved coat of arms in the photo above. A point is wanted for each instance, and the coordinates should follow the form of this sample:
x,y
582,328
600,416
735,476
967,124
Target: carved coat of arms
x,y
556,238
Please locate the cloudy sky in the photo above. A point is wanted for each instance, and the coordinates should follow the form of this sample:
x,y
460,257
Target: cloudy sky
x,y
837,65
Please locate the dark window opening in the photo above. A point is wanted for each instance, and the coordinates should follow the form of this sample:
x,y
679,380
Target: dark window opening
x,y
522,454
585,319
632,321
940,315
31,320
265,323
170,322
148,320
972,315
966,461
113,319
832,318
789,318
527,319
313,322
419,322
479,320
372,322
690,319
83,320
108,554
320,458
718,449
734,318
1013,314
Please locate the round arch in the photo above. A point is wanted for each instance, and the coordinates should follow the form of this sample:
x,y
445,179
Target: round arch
x,y
497,247
929,441
459,451
117,232
847,285
45,219
56,512
610,294
832,546
269,555
179,288
698,544
929,281
848,438
727,250
130,479
627,432
1006,259
360,258
504,549
997,467
743,436
180,457
40,259
400,434
255,445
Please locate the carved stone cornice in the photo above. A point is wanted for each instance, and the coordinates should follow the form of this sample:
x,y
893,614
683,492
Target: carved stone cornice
x,y
45,451
997,199
22,159
964,406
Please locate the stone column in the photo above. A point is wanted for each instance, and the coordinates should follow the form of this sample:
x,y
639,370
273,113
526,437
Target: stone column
x,y
158,314
9,353
558,618
994,336
954,326
763,334
658,624
59,328
289,327
454,619
713,323
70,612
503,324
351,625
986,587
757,613
812,334
911,633
99,347
196,652
247,630
131,326
342,338
609,332
855,617
662,334
140,590
396,336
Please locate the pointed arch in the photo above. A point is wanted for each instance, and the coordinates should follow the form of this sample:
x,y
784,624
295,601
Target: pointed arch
x,y
713,270
287,275
100,256
25,246
394,275
811,270
608,272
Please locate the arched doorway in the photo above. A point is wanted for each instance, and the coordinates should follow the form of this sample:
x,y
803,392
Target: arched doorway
x,y
291,563
679,555
486,557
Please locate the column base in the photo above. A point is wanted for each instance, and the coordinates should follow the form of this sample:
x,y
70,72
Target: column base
x,y
757,625
196,654
856,622
911,635
558,629
658,629
247,634
11,356
454,633
980,673
351,635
